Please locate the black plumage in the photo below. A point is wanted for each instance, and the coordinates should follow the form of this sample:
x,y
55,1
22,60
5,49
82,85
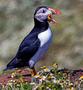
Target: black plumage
x,y
28,47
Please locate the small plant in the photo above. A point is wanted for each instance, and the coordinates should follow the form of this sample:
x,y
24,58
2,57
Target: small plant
x,y
48,78
57,79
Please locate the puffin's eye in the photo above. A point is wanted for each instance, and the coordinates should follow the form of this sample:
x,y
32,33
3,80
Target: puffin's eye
x,y
43,11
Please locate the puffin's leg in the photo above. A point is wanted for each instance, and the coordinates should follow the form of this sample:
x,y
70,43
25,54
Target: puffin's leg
x,y
31,65
34,71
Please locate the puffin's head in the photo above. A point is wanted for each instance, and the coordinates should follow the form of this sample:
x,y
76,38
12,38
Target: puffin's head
x,y
44,13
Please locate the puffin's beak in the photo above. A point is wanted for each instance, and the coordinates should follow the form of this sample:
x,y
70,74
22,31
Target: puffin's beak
x,y
54,12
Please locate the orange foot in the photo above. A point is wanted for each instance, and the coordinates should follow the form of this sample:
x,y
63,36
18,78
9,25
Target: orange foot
x,y
34,72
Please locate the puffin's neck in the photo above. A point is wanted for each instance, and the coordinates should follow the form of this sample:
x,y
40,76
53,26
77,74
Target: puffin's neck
x,y
41,25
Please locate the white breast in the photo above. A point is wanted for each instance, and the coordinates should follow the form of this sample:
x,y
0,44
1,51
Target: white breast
x,y
45,36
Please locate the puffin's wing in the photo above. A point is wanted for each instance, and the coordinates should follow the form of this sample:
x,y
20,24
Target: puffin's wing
x,y
27,51
24,53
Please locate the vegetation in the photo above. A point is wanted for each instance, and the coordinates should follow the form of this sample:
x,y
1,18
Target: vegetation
x,y
16,21
51,78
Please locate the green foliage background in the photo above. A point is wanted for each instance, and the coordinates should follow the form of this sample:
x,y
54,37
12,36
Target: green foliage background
x,y
16,21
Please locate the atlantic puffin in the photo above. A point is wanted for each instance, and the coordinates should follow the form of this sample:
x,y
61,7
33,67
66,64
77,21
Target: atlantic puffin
x,y
37,42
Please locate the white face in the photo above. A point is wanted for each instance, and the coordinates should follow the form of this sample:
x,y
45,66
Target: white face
x,y
42,14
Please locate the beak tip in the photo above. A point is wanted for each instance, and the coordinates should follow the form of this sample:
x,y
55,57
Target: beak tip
x,y
58,12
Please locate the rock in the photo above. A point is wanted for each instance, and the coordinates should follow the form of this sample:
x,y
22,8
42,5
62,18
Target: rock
x,y
16,76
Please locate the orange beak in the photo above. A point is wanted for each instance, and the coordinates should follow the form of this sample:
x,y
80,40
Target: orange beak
x,y
54,12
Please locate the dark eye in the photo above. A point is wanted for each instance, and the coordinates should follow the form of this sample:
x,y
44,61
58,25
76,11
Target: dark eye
x,y
44,11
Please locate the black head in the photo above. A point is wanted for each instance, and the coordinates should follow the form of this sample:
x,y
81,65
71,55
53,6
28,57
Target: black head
x,y
40,7
41,14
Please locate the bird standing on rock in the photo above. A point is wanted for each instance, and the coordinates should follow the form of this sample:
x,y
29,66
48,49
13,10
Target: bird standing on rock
x,y
36,43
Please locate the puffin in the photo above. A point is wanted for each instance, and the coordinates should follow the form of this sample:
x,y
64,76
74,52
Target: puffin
x,y
36,43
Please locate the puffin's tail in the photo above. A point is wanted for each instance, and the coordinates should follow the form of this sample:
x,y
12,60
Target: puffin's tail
x,y
2,67
11,64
